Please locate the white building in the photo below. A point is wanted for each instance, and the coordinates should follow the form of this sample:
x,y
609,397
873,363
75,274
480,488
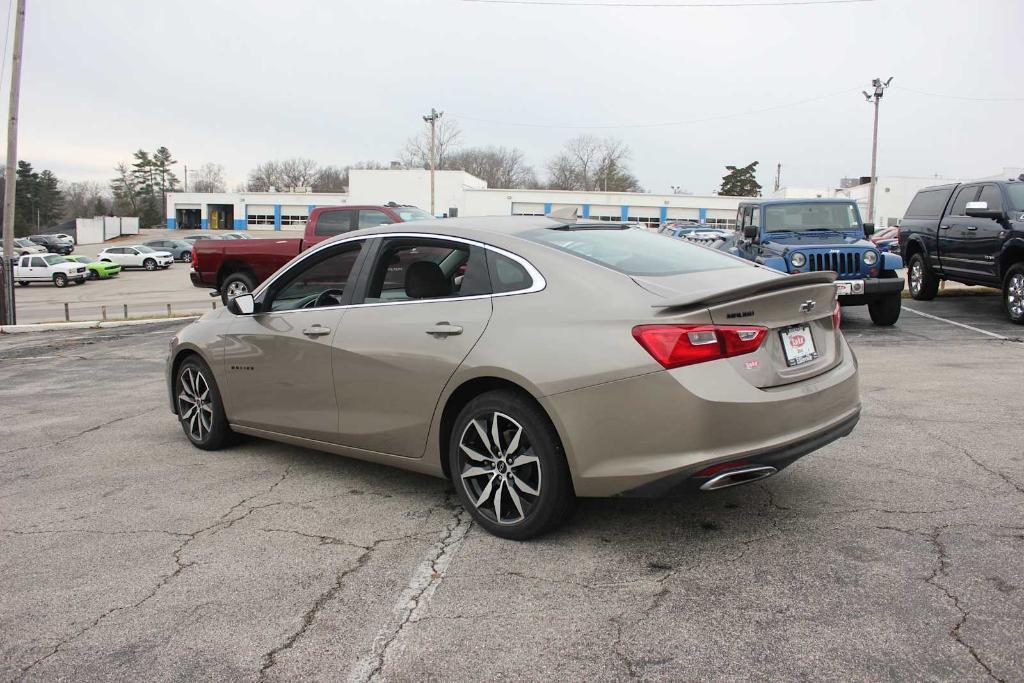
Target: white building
x,y
456,193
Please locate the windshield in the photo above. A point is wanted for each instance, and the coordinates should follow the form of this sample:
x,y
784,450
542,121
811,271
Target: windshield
x,y
53,259
811,217
634,252
411,213
1016,194
24,243
143,249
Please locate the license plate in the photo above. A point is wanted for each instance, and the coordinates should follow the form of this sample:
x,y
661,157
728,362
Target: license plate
x,y
844,288
798,345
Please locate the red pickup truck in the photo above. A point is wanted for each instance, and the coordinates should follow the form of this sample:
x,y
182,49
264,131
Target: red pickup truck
x,y
235,267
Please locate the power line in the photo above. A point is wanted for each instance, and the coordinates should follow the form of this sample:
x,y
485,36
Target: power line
x,y
683,5
662,124
961,97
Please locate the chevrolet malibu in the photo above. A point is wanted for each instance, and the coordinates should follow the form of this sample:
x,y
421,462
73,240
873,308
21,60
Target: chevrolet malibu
x,y
530,361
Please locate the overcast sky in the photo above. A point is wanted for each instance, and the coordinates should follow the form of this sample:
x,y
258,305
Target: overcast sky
x,y
239,82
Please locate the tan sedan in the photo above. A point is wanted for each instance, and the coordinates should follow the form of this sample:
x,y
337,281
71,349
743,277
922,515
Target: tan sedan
x,y
528,360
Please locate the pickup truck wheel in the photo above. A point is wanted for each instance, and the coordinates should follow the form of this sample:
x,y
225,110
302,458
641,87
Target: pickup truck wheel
x,y
1013,293
921,280
885,310
236,285
149,264
60,280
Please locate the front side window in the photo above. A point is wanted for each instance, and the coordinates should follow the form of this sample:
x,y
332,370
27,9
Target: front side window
x,y
371,219
415,268
411,213
318,281
633,252
991,195
330,223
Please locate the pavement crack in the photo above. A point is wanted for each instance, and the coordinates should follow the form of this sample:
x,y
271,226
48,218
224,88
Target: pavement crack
x,y
412,603
1017,486
61,441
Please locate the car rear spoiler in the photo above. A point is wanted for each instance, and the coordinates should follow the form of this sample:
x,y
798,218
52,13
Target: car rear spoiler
x,y
710,297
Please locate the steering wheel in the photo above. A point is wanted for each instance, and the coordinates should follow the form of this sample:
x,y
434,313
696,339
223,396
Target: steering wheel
x,y
328,297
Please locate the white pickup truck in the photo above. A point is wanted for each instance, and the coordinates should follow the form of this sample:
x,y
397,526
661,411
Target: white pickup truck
x,y
48,268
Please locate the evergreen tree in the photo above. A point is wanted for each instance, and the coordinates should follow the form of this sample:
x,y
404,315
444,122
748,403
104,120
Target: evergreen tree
x,y
50,203
25,198
741,182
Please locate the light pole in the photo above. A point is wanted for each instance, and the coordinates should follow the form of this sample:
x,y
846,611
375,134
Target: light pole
x,y
432,119
7,316
875,98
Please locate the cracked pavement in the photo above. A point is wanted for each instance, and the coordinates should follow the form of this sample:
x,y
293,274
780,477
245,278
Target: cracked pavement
x,y
892,554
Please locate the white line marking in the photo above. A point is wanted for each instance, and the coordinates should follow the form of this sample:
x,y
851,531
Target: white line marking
x,y
951,322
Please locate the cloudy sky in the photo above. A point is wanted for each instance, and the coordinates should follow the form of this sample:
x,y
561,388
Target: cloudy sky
x,y
238,82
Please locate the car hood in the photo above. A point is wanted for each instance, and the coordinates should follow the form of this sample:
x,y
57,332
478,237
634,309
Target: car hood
x,y
811,241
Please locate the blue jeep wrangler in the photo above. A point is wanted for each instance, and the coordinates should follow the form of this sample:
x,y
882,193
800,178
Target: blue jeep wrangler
x,y
801,235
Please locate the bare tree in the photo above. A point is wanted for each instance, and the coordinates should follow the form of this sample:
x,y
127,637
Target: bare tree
x,y
85,199
336,178
416,153
498,166
264,177
298,172
209,178
588,163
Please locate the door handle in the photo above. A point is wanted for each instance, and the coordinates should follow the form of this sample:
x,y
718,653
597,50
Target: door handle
x,y
972,228
943,227
316,331
444,329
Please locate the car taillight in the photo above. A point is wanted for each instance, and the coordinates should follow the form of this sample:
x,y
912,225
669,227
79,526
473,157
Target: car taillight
x,y
677,345
837,317
195,259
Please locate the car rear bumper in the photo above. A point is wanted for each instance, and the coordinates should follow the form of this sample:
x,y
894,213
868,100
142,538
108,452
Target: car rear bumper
x,y
647,434
197,280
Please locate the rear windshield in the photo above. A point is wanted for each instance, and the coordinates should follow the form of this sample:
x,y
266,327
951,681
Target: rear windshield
x,y
634,252
1016,194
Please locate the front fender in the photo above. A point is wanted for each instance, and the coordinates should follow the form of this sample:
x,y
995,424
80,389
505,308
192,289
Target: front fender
x,y
774,262
891,261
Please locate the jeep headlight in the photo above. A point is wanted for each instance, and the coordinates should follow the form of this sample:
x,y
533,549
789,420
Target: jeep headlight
x,y
798,260
870,258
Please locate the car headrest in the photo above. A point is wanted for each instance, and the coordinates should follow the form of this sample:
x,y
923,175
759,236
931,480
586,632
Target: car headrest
x,y
424,280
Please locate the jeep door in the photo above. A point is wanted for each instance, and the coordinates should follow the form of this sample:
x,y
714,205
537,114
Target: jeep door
x,y
422,307
956,236
277,361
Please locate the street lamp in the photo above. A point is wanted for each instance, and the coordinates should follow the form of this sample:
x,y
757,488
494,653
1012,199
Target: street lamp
x,y
875,98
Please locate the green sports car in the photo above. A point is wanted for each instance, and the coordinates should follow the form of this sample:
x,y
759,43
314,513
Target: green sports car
x,y
98,270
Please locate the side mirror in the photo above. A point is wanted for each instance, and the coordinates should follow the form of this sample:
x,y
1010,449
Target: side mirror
x,y
981,210
869,229
750,232
242,305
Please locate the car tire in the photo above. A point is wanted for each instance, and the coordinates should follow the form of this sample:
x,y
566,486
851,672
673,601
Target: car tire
x,y
187,257
149,264
885,310
1013,293
80,280
533,492
199,405
23,283
60,280
921,281
236,284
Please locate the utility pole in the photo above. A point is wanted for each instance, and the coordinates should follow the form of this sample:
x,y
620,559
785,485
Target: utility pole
x,y
7,316
778,176
432,119
186,179
875,98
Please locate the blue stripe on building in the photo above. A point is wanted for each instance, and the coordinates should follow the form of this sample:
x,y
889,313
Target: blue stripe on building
x,y
240,224
204,223
547,208
663,214
703,215
586,210
624,212
277,216
171,224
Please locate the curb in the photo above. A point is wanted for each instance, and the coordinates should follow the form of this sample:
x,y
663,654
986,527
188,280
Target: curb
x,y
88,324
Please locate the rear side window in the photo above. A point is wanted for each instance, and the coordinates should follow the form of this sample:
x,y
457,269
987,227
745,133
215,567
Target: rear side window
x,y
634,252
966,194
506,274
369,218
330,223
929,203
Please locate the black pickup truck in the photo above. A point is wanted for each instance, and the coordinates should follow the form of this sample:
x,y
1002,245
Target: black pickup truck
x,y
971,233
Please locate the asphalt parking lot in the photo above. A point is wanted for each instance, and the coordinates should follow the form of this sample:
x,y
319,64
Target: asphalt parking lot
x,y
892,554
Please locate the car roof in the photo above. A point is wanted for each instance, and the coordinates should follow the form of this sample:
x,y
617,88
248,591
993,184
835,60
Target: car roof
x,y
814,200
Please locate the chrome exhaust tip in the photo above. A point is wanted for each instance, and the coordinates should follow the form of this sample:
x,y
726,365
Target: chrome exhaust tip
x,y
737,477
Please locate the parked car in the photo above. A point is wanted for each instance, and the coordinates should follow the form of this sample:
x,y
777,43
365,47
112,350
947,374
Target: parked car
x,y
887,239
811,235
137,256
95,269
69,238
204,236
530,360
54,244
24,246
181,250
972,233
235,236
236,267
48,268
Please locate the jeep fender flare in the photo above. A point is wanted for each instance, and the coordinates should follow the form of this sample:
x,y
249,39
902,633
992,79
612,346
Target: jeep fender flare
x,y
774,262
891,262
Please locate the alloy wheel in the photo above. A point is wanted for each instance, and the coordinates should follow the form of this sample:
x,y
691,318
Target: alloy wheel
x,y
1015,296
916,275
499,469
194,404
236,289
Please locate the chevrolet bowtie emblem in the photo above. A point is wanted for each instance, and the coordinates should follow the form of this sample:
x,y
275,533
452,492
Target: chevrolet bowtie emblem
x,y
808,306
